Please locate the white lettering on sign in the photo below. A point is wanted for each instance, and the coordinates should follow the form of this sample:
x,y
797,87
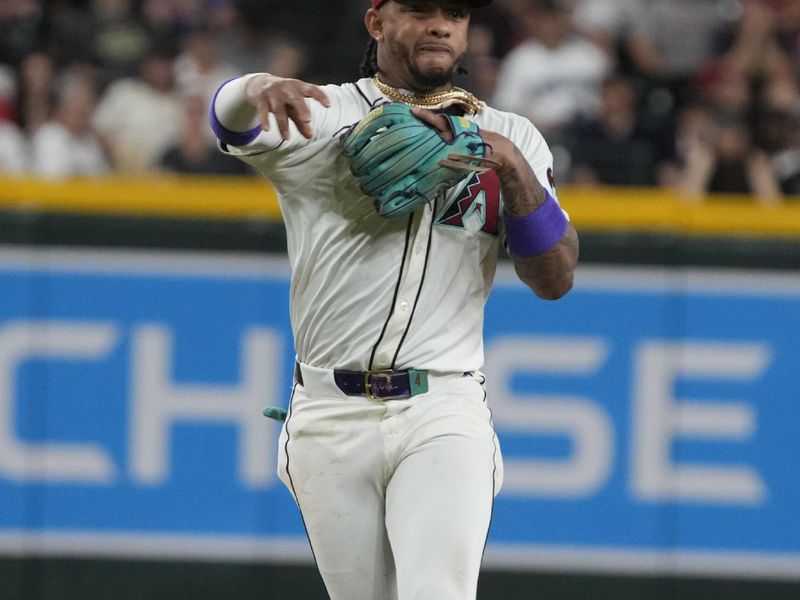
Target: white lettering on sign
x,y
659,418
157,404
578,418
21,341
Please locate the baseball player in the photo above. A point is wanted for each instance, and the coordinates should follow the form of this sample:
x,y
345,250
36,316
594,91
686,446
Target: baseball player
x,y
388,446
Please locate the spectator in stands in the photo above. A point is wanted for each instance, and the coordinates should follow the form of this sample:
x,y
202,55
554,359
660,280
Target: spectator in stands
x,y
611,148
8,93
37,77
675,38
546,58
777,107
118,38
787,19
221,15
244,45
199,67
159,19
251,50
555,75
189,14
500,20
753,46
195,154
21,29
69,35
778,130
481,64
724,88
286,58
693,124
724,159
66,146
13,143
786,162
609,23
138,118
13,149
169,19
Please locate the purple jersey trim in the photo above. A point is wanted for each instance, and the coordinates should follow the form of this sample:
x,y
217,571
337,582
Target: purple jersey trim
x,y
537,232
225,135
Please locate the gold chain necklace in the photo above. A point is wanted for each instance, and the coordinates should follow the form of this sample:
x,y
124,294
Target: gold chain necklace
x,y
433,100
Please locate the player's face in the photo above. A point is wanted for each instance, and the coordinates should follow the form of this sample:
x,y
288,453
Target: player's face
x,y
422,42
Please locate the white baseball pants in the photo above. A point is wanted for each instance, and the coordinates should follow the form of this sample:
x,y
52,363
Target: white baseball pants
x,y
396,496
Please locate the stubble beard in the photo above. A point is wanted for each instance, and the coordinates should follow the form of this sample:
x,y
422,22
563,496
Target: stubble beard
x,y
426,80
432,79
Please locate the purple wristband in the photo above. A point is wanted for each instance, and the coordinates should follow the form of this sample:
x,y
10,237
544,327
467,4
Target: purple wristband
x,y
537,232
225,135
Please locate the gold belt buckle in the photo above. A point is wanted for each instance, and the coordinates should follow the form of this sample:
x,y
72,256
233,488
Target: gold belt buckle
x,y
388,373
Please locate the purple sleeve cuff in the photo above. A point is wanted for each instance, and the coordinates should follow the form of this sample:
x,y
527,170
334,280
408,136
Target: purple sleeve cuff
x,y
537,232
225,135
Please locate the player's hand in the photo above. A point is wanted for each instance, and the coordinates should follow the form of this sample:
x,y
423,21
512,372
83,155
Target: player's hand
x,y
522,191
286,99
500,148
435,120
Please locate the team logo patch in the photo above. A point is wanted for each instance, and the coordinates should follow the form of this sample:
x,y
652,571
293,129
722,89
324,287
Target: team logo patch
x,y
477,206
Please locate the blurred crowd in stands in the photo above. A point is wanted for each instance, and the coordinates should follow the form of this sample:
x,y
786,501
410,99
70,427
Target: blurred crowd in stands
x,y
697,95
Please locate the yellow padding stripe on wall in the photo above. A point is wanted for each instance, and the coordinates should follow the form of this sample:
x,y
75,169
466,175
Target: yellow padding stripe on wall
x,y
658,210
167,196
591,209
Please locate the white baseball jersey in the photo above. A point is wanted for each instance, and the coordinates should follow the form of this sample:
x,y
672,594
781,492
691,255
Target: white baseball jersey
x,y
374,293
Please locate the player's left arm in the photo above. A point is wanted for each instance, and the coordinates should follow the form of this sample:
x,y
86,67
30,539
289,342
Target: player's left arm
x,y
543,243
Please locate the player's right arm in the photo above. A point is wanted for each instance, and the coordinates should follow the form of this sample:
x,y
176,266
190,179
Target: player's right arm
x,y
548,272
546,267
264,109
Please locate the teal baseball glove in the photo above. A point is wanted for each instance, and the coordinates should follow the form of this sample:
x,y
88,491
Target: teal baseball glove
x,y
404,163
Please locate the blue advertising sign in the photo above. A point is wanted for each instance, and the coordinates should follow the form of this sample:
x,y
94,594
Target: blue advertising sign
x,y
650,415
647,420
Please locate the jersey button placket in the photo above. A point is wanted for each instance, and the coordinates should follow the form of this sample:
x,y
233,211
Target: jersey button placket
x,y
409,287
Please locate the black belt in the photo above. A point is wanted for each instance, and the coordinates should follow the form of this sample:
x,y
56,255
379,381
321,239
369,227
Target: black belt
x,y
377,385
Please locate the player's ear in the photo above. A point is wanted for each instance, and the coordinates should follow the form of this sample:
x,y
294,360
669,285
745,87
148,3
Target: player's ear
x,y
374,24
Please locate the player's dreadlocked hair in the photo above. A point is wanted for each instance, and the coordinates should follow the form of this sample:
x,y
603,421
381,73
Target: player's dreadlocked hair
x,y
369,66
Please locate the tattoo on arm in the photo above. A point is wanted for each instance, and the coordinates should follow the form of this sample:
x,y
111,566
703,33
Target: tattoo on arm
x,y
550,274
522,192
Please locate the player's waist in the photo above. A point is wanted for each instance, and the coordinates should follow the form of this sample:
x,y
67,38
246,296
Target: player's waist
x,y
381,384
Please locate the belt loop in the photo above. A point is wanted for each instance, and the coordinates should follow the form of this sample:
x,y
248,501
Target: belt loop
x,y
417,381
298,373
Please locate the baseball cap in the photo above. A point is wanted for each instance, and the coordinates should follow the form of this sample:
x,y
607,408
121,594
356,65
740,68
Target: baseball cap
x,y
472,3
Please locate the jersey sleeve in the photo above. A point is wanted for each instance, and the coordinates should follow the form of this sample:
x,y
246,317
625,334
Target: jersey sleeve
x,y
235,123
534,147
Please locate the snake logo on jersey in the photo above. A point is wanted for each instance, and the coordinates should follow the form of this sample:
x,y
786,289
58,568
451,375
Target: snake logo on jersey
x,y
477,206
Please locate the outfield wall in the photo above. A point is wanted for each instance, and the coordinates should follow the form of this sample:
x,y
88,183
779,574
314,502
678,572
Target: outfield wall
x,y
648,420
